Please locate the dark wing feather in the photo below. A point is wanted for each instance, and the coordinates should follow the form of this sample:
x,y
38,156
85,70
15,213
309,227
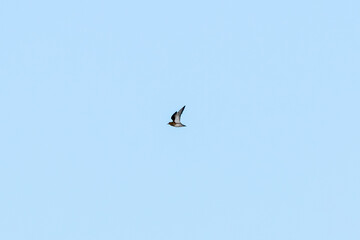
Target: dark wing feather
x,y
173,116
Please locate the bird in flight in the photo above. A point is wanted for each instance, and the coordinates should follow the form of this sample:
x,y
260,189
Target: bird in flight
x,y
176,118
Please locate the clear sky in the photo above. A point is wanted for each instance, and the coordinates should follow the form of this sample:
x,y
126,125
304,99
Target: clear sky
x,y
271,149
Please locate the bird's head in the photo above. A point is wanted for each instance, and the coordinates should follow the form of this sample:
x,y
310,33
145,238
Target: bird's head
x,y
171,123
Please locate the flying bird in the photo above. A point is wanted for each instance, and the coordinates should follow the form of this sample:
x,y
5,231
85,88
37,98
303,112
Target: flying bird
x,y
176,118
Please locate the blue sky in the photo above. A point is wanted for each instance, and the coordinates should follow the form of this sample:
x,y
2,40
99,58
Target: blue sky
x,y
271,147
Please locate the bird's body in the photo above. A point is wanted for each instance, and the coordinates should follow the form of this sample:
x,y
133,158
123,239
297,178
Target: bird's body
x,y
176,118
176,124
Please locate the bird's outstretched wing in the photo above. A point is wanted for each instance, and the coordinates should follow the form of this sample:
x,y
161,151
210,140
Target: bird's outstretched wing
x,y
173,116
177,115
